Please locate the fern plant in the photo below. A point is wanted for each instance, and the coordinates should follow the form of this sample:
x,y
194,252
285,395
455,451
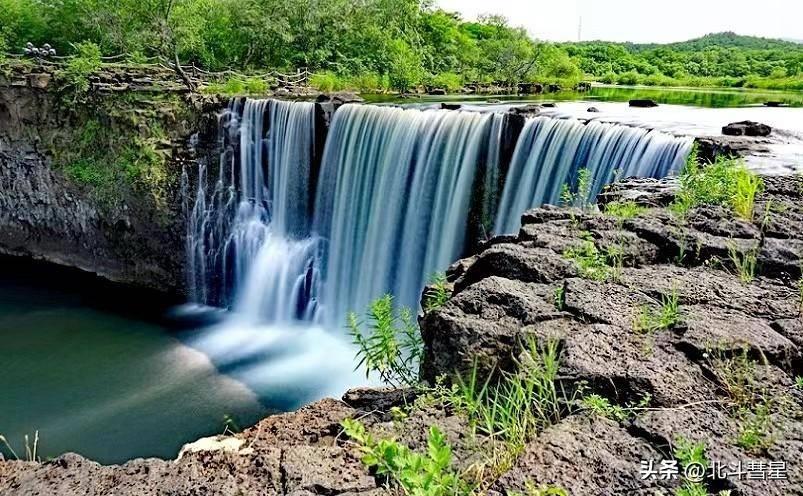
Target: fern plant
x,y
391,346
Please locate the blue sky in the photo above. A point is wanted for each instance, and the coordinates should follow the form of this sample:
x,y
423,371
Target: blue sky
x,y
641,21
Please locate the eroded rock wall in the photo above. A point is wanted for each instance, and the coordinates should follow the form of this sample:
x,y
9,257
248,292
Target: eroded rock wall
x,y
56,205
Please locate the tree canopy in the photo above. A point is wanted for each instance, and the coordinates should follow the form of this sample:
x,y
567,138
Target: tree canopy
x,y
400,43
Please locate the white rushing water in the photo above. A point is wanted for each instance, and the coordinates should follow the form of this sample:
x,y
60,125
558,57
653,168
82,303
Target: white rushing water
x,y
249,246
550,153
290,245
394,197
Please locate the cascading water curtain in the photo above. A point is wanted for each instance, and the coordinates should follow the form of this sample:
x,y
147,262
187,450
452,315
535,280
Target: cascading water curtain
x,y
393,199
550,153
396,191
248,243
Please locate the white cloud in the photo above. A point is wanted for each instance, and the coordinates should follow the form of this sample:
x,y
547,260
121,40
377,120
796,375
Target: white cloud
x,y
641,21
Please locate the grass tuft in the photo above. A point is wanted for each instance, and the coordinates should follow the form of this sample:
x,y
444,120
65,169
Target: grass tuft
x,y
745,262
726,181
593,263
649,320
624,209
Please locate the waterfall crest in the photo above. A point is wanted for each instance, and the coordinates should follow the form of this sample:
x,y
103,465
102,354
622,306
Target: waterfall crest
x,y
550,152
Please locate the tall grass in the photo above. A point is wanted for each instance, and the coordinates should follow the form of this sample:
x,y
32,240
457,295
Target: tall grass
x,y
726,181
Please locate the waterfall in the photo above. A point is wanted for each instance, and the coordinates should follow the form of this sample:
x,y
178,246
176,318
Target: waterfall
x,y
550,152
248,243
393,199
399,195
291,244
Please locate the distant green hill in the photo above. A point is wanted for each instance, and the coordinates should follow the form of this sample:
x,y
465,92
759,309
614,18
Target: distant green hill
x,y
727,39
719,59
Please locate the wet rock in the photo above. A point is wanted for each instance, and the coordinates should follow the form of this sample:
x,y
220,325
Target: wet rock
x,y
746,128
436,91
526,110
516,262
368,399
530,88
592,109
642,103
39,81
450,106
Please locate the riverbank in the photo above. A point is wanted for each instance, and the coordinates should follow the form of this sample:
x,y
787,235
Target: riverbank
x,y
722,375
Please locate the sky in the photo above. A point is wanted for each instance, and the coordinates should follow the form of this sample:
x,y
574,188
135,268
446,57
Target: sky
x,y
641,21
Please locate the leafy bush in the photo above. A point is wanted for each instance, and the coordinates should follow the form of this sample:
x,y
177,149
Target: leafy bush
x,y
86,61
406,68
429,474
368,82
449,81
392,344
238,85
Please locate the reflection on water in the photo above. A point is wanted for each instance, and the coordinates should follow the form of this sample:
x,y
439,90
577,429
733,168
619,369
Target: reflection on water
x,y
699,97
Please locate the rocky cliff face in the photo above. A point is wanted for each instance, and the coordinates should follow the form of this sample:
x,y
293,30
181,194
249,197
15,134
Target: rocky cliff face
x,y
67,197
721,374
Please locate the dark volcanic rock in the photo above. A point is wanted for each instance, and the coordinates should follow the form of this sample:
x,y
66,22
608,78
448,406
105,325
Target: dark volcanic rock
x,y
585,456
647,192
642,103
482,325
746,128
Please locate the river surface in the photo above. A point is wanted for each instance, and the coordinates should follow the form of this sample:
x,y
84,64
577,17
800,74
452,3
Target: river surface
x,y
101,372
94,379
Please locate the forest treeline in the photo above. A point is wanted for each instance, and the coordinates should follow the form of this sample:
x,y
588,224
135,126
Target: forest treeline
x,y
382,44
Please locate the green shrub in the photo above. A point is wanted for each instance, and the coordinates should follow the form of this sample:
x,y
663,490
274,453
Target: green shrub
x,y
86,61
449,81
429,474
391,346
406,69
327,82
368,82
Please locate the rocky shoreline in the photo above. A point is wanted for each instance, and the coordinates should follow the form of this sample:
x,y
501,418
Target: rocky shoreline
x,y
732,336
